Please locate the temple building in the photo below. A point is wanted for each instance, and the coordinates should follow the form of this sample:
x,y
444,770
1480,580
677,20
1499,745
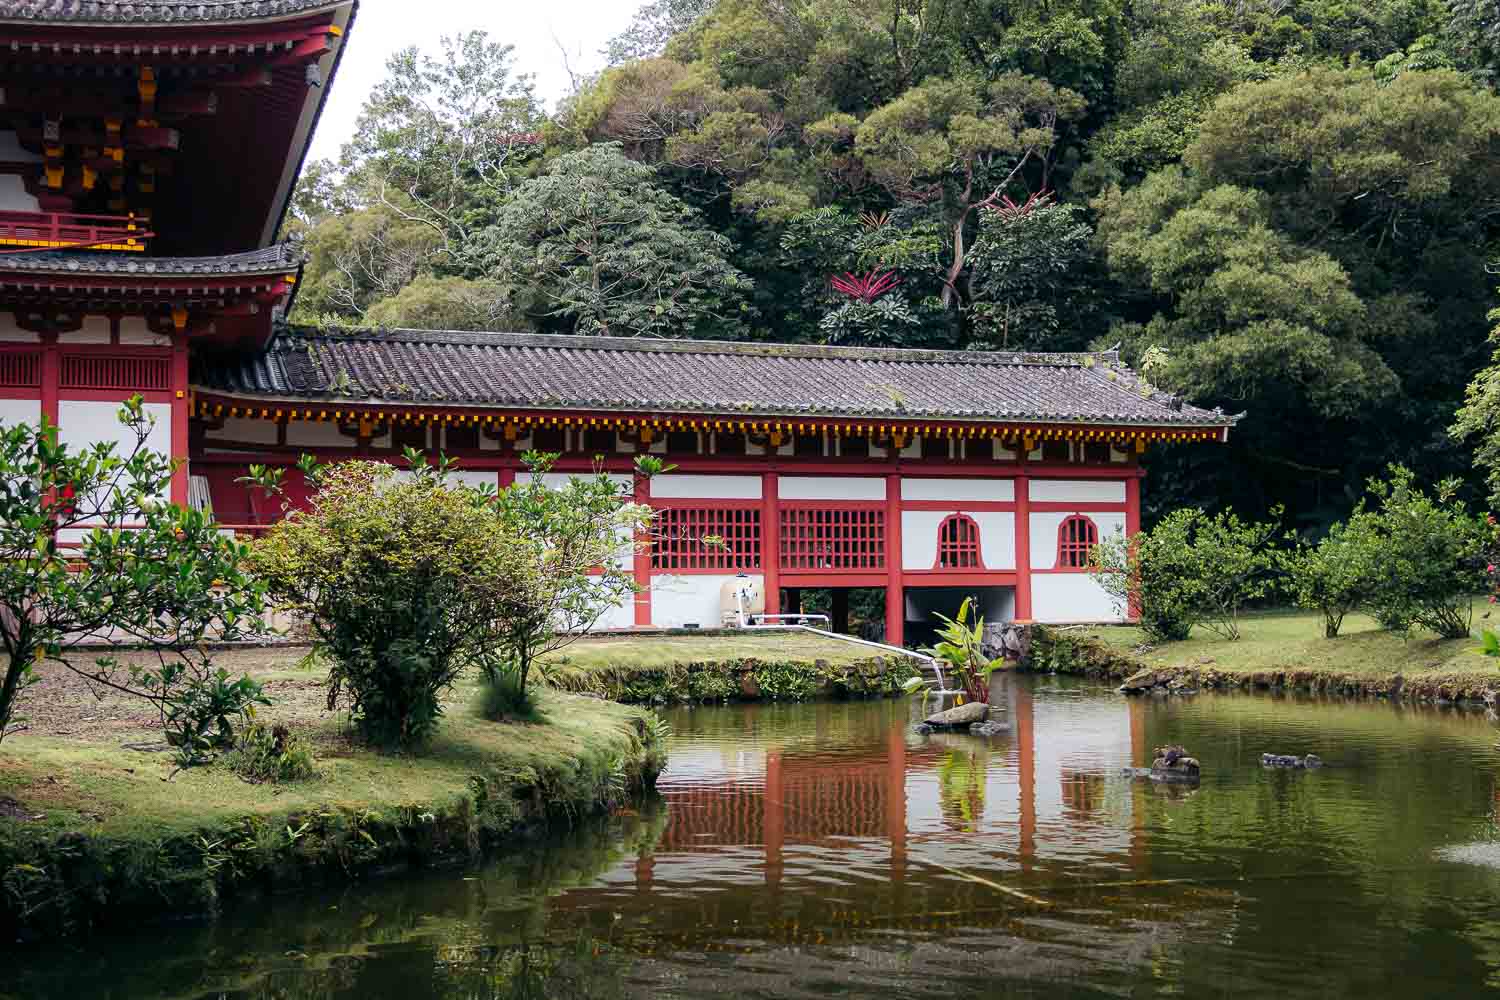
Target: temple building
x,y
148,152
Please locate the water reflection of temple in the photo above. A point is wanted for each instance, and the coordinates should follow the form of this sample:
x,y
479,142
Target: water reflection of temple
x,y
739,810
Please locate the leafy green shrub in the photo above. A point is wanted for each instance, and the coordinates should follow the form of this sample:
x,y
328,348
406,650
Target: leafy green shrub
x,y
502,696
958,648
402,582
1191,569
787,681
271,754
1429,555
1339,574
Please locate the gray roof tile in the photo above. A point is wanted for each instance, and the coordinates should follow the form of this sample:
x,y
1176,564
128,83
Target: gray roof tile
x,y
270,260
134,12
531,371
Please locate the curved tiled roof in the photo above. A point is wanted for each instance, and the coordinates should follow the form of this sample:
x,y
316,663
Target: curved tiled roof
x,y
269,260
608,374
154,11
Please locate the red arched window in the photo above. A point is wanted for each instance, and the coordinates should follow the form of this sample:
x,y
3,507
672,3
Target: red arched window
x,y
1076,539
958,543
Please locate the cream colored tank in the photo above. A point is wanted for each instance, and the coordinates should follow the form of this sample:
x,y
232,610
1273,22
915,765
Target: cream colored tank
x,y
741,593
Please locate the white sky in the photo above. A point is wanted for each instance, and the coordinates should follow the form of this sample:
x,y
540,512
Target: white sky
x,y
383,26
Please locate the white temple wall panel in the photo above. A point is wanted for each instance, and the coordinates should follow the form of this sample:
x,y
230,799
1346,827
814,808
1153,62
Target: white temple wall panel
x,y
20,411
133,330
997,538
919,538
93,330
619,616
11,333
689,599
316,434
1078,490
831,488
1001,490
1070,597
13,194
677,486
1044,526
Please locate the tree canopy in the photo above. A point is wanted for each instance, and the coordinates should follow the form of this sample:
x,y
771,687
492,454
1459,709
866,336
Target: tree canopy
x,y
1287,209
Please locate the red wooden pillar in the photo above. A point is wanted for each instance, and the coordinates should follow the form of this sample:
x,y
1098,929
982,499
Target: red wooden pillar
x,y
770,542
642,560
1132,526
180,419
1023,542
51,377
895,587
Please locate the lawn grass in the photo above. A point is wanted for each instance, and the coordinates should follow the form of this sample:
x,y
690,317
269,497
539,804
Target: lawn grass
x,y
772,666
91,824
1286,648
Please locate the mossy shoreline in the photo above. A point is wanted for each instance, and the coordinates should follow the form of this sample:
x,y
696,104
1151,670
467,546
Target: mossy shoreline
x,y
91,841
725,668
1275,656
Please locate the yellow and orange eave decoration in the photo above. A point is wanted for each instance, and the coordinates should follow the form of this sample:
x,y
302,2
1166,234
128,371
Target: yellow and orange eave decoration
x,y
509,426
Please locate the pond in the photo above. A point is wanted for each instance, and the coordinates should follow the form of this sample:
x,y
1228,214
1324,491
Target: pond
x,y
826,850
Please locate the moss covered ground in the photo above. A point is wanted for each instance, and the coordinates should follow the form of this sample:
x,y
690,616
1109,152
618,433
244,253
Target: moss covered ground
x,y
770,666
97,825
1283,649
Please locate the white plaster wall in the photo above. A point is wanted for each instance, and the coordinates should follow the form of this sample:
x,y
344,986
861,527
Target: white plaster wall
x,y
20,411
557,480
316,434
831,488
706,487
469,477
618,616
1044,525
240,429
13,196
997,538
689,599
93,330
133,330
1071,597
958,489
10,333
1078,490
84,423
919,538
913,447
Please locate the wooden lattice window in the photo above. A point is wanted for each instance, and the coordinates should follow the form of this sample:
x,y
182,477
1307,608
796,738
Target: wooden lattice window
x,y
832,538
706,538
20,369
112,371
958,543
1077,538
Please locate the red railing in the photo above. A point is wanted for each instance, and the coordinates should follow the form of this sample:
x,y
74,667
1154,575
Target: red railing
x,y
20,231
116,371
20,369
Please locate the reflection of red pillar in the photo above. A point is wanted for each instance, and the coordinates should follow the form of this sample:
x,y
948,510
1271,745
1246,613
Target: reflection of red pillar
x,y
1139,756
645,868
895,799
1026,764
775,818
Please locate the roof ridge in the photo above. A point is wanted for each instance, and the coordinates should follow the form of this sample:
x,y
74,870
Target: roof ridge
x,y
729,348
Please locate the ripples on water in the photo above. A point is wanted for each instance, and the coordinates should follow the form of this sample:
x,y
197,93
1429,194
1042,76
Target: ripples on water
x,y
825,850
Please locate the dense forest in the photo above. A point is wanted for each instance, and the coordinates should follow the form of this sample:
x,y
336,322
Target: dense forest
x,y
1283,207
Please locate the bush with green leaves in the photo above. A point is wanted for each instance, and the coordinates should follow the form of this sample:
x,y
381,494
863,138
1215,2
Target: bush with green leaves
x,y
1339,574
145,572
271,754
1429,555
1191,569
401,581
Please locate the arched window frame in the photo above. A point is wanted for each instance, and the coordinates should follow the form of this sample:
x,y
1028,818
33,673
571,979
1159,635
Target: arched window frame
x,y
959,547
1077,537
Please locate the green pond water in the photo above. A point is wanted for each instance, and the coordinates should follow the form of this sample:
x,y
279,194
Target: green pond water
x,y
826,850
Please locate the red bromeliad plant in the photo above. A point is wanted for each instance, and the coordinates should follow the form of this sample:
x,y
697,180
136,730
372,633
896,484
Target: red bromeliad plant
x,y
866,287
1010,211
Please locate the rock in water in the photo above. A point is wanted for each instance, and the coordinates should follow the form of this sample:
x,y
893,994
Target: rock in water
x,y
1287,760
1172,763
1139,682
922,729
960,716
988,729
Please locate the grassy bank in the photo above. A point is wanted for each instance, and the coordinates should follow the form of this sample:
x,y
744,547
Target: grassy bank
x,y
96,828
1284,650
771,666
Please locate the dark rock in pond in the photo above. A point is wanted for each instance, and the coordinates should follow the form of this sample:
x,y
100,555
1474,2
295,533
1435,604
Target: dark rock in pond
x,y
1287,760
1140,682
1171,776
960,716
922,729
988,729
1172,763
